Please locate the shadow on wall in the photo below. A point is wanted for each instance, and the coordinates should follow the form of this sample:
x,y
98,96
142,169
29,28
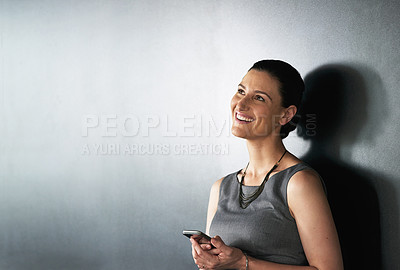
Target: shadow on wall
x,y
334,115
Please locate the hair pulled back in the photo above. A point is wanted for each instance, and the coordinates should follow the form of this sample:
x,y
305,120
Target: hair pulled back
x,y
291,87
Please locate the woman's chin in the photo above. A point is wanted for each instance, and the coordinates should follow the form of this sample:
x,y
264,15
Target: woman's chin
x,y
250,134
240,132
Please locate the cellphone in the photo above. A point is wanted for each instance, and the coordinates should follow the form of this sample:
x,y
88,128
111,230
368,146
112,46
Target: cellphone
x,y
189,233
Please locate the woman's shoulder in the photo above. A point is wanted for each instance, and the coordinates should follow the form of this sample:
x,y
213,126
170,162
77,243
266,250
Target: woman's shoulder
x,y
305,182
305,186
302,175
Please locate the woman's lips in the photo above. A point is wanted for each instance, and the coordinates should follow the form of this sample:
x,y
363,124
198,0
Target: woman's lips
x,y
243,118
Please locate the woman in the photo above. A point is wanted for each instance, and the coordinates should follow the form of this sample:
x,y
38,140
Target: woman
x,y
272,214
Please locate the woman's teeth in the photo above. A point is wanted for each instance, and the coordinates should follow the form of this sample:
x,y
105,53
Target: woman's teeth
x,y
242,118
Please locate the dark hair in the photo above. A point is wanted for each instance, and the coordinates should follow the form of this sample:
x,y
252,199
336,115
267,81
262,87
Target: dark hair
x,y
291,87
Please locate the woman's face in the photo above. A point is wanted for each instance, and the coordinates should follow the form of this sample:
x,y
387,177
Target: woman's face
x,y
256,106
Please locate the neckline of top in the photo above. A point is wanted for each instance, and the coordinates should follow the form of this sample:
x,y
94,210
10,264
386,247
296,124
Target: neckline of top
x,y
237,180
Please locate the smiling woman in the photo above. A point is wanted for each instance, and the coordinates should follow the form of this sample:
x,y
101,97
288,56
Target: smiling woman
x,y
260,92
274,213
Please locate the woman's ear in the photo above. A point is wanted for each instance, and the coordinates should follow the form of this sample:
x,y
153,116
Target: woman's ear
x,y
289,113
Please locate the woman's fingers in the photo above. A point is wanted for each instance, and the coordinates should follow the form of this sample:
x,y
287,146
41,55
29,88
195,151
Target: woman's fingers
x,y
200,239
217,242
205,255
198,253
196,247
204,243
214,251
202,255
205,246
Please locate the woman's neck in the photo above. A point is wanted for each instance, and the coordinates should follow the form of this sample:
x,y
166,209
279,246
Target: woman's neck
x,y
263,155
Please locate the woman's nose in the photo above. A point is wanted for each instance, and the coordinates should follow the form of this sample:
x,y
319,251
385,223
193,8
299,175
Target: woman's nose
x,y
243,103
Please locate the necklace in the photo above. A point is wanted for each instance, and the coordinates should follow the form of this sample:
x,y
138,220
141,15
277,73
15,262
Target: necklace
x,y
244,200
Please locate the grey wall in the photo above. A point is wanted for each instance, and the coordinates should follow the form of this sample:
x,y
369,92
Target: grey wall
x,y
100,99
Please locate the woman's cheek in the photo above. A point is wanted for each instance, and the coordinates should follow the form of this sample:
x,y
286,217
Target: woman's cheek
x,y
234,101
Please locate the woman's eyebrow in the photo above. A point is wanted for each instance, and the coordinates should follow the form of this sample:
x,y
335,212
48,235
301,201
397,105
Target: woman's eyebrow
x,y
261,92
257,91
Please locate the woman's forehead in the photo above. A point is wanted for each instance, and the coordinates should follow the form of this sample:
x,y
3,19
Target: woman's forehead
x,y
260,80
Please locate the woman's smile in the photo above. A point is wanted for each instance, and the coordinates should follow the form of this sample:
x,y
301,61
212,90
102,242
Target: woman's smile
x,y
242,118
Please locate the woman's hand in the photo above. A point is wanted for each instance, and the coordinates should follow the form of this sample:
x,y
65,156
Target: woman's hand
x,y
220,257
204,243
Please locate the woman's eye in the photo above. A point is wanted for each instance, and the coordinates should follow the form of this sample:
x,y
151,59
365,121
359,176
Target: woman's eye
x,y
240,91
260,98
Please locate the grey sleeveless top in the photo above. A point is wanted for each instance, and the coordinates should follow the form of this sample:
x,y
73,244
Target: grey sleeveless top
x,y
265,229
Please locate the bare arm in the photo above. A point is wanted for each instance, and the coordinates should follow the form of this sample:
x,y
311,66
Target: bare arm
x,y
213,203
309,206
